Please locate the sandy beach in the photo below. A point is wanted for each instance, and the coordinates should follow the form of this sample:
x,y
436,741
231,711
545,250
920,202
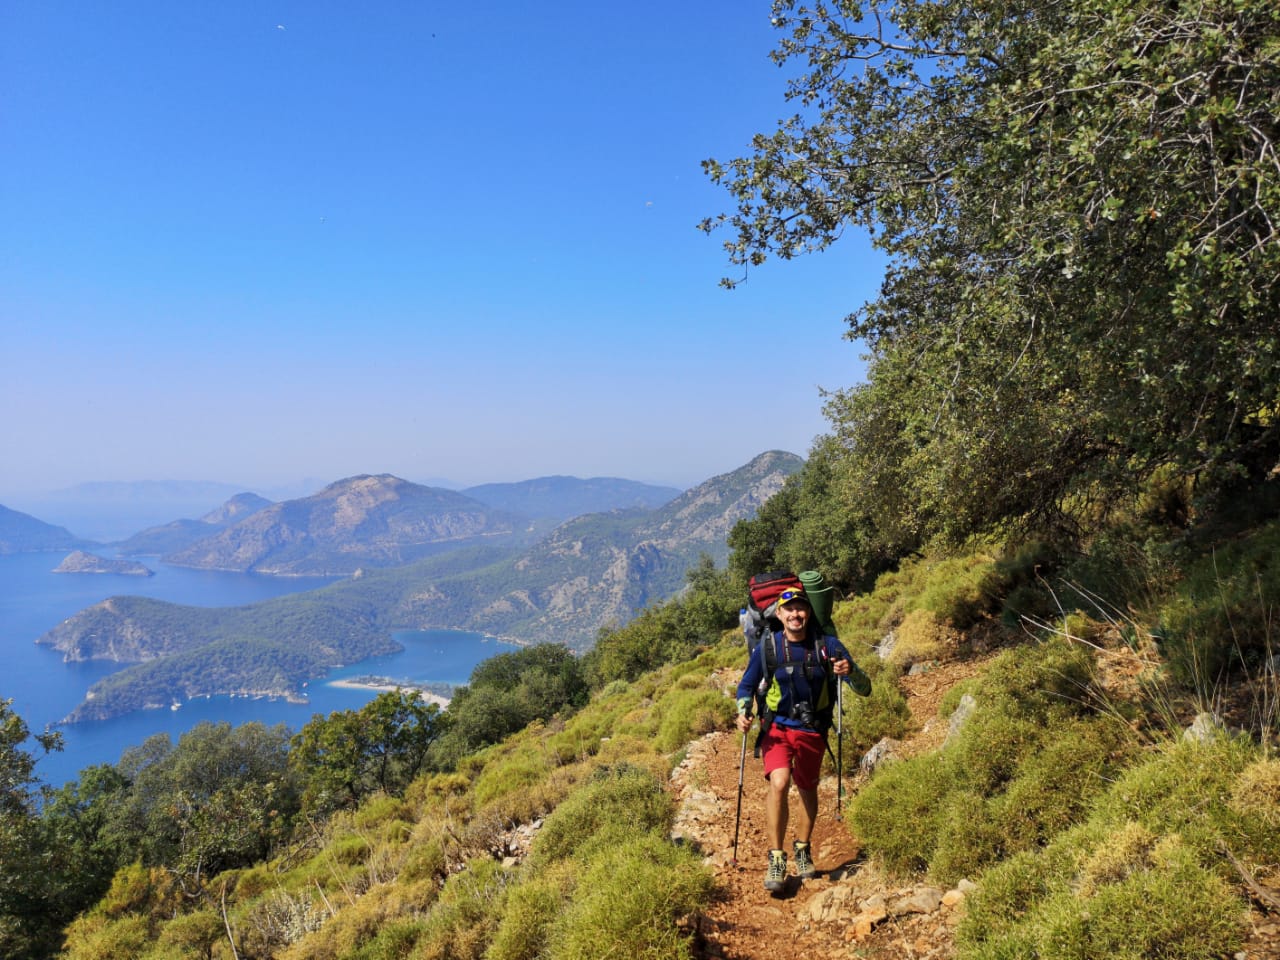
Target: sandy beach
x,y
439,701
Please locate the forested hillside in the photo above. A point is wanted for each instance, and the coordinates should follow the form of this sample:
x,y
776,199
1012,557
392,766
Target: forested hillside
x,y
1051,514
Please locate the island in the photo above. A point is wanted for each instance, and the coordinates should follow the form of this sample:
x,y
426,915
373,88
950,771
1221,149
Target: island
x,y
78,561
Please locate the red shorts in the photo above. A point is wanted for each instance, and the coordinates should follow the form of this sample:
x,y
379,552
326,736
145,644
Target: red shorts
x,y
799,750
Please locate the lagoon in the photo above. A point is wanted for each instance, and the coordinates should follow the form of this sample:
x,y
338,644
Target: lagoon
x,y
44,689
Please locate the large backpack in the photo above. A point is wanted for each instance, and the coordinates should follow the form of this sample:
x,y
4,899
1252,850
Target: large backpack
x,y
759,617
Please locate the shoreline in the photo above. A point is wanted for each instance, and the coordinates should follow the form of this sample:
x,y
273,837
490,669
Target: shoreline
x,y
388,687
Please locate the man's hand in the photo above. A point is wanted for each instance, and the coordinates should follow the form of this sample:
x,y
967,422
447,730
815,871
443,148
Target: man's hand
x,y
744,722
840,667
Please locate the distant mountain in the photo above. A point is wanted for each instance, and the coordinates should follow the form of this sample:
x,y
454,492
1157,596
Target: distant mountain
x,y
601,568
181,534
563,498
364,521
111,511
594,570
236,509
23,533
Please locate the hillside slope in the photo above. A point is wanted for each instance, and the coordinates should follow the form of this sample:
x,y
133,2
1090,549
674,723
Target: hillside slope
x,y
601,569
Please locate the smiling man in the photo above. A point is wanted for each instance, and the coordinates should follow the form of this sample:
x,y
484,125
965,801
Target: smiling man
x,y
796,668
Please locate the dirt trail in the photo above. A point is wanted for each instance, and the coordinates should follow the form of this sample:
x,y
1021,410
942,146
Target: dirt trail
x,y
828,916
818,916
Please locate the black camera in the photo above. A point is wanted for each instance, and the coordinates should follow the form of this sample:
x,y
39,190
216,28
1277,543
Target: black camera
x,y
803,712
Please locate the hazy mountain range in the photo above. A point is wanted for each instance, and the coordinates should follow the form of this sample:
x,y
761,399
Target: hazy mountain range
x,y
416,557
23,533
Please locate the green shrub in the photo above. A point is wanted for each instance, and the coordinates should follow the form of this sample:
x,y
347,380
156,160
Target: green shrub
x,y
380,809
191,934
462,922
1144,876
1220,619
1170,908
687,713
1023,768
349,849
884,713
958,591
896,814
625,796
425,859
98,938
532,907
394,941
920,636
516,772
629,900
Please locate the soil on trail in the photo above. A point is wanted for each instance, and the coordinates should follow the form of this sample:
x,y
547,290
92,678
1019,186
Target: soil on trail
x,y
842,911
746,922
820,915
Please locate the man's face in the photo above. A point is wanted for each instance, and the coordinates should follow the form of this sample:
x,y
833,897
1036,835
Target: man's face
x,y
794,616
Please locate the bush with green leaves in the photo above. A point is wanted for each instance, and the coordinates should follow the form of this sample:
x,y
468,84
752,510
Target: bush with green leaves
x,y
629,900
884,713
505,694
624,796
1220,619
1020,770
1143,874
532,907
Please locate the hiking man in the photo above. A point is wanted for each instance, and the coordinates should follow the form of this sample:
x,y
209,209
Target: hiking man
x,y
796,710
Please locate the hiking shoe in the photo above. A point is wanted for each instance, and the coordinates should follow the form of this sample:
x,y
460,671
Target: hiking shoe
x,y
775,878
804,861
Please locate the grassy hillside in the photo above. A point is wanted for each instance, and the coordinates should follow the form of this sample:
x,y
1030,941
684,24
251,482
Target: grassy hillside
x,y
1057,777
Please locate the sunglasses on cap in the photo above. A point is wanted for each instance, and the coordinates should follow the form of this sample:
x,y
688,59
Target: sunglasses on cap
x,y
786,595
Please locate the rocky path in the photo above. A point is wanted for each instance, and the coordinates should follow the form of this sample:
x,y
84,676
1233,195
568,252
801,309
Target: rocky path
x,y
846,911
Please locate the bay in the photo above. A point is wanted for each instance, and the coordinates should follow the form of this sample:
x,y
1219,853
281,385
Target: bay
x,y
33,599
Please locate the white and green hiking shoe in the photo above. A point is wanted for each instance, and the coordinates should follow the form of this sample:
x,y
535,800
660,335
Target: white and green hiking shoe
x,y
804,861
775,878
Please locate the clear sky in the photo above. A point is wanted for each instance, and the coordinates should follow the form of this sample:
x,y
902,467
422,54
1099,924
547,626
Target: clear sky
x,y
256,242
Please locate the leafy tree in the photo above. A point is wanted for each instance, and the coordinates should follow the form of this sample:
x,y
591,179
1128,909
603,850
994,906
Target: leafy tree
x,y
83,854
351,754
28,909
508,692
816,522
222,798
1079,204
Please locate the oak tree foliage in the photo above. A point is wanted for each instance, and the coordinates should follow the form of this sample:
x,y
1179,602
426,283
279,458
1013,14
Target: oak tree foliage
x,y
1078,202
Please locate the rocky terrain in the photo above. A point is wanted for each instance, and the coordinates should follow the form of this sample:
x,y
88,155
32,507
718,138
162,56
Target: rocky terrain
x,y
178,535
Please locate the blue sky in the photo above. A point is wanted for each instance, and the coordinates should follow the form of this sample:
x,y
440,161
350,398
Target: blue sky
x,y
261,242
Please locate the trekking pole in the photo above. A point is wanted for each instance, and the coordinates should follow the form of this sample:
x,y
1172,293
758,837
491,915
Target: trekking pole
x,y
840,749
737,820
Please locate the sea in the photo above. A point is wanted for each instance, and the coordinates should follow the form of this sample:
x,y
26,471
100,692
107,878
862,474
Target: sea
x,y
44,689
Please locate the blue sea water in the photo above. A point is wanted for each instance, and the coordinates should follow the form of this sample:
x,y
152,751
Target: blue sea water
x,y
33,599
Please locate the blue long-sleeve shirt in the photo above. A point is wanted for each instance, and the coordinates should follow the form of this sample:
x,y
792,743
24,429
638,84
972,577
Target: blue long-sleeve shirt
x,y
799,676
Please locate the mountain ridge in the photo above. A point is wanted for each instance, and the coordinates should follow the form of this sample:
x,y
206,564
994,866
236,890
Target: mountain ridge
x,y
365,520
22,533
591,571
